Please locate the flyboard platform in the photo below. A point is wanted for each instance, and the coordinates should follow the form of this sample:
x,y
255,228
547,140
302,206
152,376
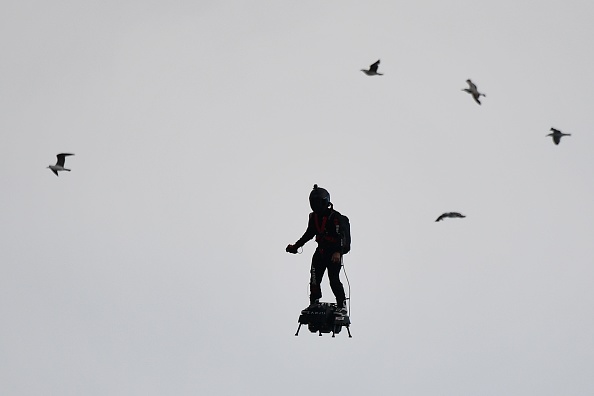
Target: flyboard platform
x,y
323,317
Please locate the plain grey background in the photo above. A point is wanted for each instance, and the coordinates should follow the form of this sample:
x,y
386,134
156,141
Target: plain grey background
x,y
157,266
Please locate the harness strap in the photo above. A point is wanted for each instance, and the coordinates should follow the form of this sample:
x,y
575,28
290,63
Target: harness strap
x,y
321,229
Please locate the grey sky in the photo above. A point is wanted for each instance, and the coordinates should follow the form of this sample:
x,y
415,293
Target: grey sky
x,y
157,266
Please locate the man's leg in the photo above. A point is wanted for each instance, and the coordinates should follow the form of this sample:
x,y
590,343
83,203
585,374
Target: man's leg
x,y
316,273
336,285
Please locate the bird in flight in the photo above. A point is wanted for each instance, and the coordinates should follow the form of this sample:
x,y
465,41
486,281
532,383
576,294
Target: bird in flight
x,y
449,214
557,134
373,69
473,91
60,164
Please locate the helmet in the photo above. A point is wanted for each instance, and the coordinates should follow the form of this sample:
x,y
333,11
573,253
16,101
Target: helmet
x,y
319,199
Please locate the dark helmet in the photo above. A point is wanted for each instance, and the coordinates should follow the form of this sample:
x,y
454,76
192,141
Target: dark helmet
x,y
319,199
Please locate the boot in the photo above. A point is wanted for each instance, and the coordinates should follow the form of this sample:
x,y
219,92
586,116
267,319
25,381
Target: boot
x,y
341,307
312,303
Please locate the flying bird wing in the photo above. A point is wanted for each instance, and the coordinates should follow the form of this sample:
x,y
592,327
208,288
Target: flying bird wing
x,y
471,85
61,158
476,96
449,214
55,172
374,66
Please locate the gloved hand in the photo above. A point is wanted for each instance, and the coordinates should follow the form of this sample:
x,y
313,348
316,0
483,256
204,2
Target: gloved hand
x,y
291,249
335,257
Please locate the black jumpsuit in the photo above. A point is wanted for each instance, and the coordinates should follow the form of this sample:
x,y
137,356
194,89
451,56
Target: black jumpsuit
x,y
333,234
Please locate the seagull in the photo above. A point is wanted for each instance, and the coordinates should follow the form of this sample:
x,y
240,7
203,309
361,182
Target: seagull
x,y
372,69
557,134
449,214
60,164
474,91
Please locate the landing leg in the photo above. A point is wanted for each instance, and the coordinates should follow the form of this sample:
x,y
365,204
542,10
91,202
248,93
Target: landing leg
x,y
298,329
349,331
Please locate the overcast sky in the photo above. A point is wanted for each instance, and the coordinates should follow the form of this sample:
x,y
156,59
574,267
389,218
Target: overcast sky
x,y
157,265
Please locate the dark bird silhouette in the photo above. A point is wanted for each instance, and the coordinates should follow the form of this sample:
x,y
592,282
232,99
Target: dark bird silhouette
x,y
473,91
449,214
557,134
373,69
60,164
